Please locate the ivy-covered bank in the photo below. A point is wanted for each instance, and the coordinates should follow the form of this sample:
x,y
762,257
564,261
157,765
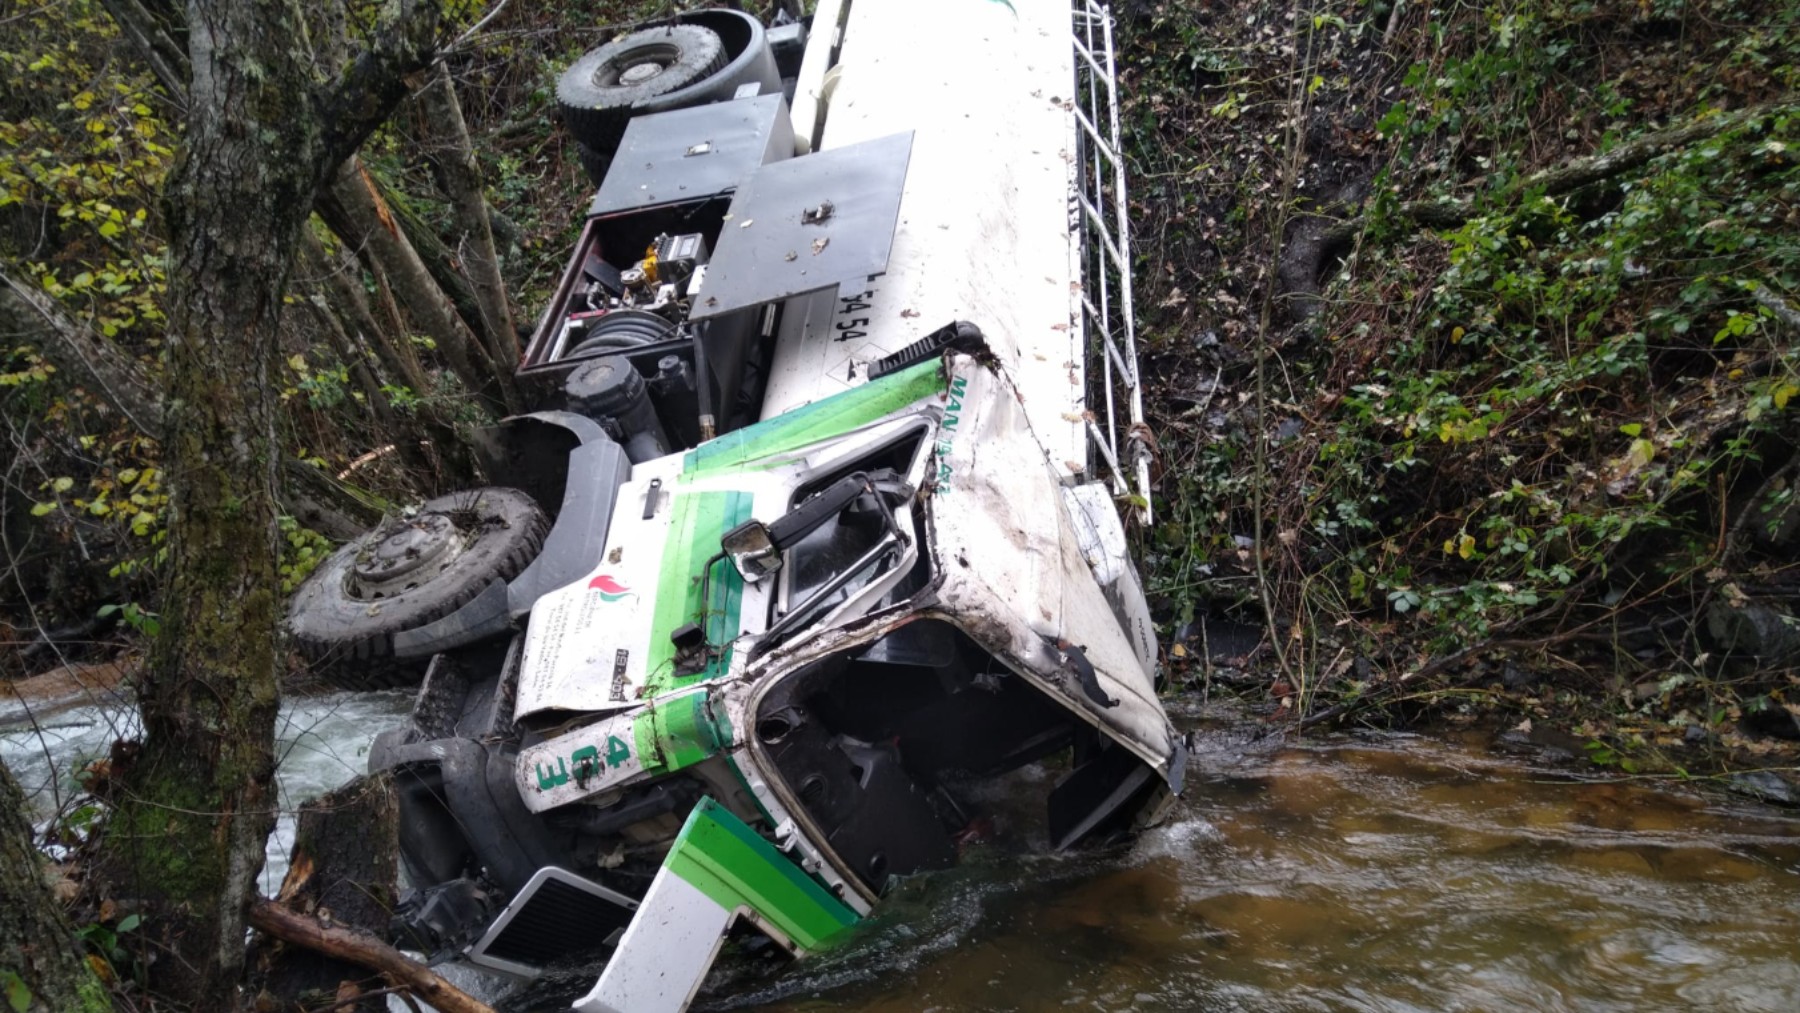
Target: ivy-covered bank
x,y
1472,339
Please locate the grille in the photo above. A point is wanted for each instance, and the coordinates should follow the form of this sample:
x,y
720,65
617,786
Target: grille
x,y
558,919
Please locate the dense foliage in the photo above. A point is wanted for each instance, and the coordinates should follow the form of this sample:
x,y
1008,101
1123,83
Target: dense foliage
x,y
88,136
1475,338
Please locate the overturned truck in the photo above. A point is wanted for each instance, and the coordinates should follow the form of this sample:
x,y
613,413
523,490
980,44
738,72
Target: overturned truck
x,y
817,533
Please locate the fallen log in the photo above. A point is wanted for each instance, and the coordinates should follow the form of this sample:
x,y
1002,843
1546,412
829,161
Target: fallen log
x,y
364,949
322,936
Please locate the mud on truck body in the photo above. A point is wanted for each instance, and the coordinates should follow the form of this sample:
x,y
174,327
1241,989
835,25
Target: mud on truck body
x,y
813,554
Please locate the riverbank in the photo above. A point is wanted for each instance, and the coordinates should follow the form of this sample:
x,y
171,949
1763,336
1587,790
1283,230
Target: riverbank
x,y
1469,338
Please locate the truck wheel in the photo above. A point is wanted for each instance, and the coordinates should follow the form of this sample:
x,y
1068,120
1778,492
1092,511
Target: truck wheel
x,y
593,163
596,93
405,573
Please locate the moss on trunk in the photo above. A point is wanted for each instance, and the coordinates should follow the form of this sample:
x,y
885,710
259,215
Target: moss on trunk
x,y
262,134
40,959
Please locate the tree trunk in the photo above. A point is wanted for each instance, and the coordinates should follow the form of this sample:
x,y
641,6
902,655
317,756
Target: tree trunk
x,y
433,449
346,852
355,211
461,178
389,344
441,263
38,951
187,835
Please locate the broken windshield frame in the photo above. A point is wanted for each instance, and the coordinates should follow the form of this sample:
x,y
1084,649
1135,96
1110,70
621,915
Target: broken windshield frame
x,y
853,560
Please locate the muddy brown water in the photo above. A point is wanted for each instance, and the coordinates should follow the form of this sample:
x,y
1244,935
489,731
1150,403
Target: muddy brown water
x,y
1392,873
1379,873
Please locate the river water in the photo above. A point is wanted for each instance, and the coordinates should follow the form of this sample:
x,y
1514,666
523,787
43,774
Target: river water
x,y
1381,873
322,741
1392,873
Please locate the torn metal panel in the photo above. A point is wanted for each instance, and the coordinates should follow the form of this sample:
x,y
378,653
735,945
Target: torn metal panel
x,y
1013,564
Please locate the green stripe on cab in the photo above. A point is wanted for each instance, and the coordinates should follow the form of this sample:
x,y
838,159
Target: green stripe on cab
x,y
758,445
696,523
726,860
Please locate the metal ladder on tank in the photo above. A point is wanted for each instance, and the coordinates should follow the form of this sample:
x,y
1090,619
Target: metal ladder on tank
x,y
1105,226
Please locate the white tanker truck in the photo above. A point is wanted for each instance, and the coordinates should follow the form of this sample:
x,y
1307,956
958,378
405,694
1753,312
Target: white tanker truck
x,y
817,534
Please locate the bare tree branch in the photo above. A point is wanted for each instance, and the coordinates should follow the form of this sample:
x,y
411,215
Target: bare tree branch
x,y
75,349
360,100
150,36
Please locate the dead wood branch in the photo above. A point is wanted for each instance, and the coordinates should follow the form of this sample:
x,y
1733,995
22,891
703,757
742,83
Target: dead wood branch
x,y
461,178
1775,304
352,205
361,948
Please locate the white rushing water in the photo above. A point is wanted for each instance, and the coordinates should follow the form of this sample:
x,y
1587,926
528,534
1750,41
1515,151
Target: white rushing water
x,y
321,742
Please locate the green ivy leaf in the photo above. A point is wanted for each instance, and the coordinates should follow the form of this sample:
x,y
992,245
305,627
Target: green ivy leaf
x,y
18,995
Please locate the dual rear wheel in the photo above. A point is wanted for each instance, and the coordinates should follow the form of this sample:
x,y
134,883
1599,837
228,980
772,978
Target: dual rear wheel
x,y
596,94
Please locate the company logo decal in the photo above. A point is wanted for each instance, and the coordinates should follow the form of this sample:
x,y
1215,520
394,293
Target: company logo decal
x,y
610,589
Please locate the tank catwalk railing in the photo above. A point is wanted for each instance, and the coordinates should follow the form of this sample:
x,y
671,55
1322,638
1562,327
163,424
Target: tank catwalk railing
x,y
1111,325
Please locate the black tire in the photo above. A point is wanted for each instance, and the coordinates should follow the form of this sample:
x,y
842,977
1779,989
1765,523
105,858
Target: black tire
x,y
596,93
593,163
406,572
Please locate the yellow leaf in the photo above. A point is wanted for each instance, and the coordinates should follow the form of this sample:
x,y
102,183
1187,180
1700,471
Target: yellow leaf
x,y
297,363
1466,546
1783,393
1456,335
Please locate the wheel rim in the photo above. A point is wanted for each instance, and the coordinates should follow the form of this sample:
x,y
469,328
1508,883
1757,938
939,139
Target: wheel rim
x,y
638,73
637,66
405,557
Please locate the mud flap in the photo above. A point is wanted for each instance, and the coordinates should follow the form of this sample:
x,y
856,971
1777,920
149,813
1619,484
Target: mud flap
x,y
717,871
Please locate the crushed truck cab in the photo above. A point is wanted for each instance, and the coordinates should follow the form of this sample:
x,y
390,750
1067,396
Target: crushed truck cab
x,y
829,583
